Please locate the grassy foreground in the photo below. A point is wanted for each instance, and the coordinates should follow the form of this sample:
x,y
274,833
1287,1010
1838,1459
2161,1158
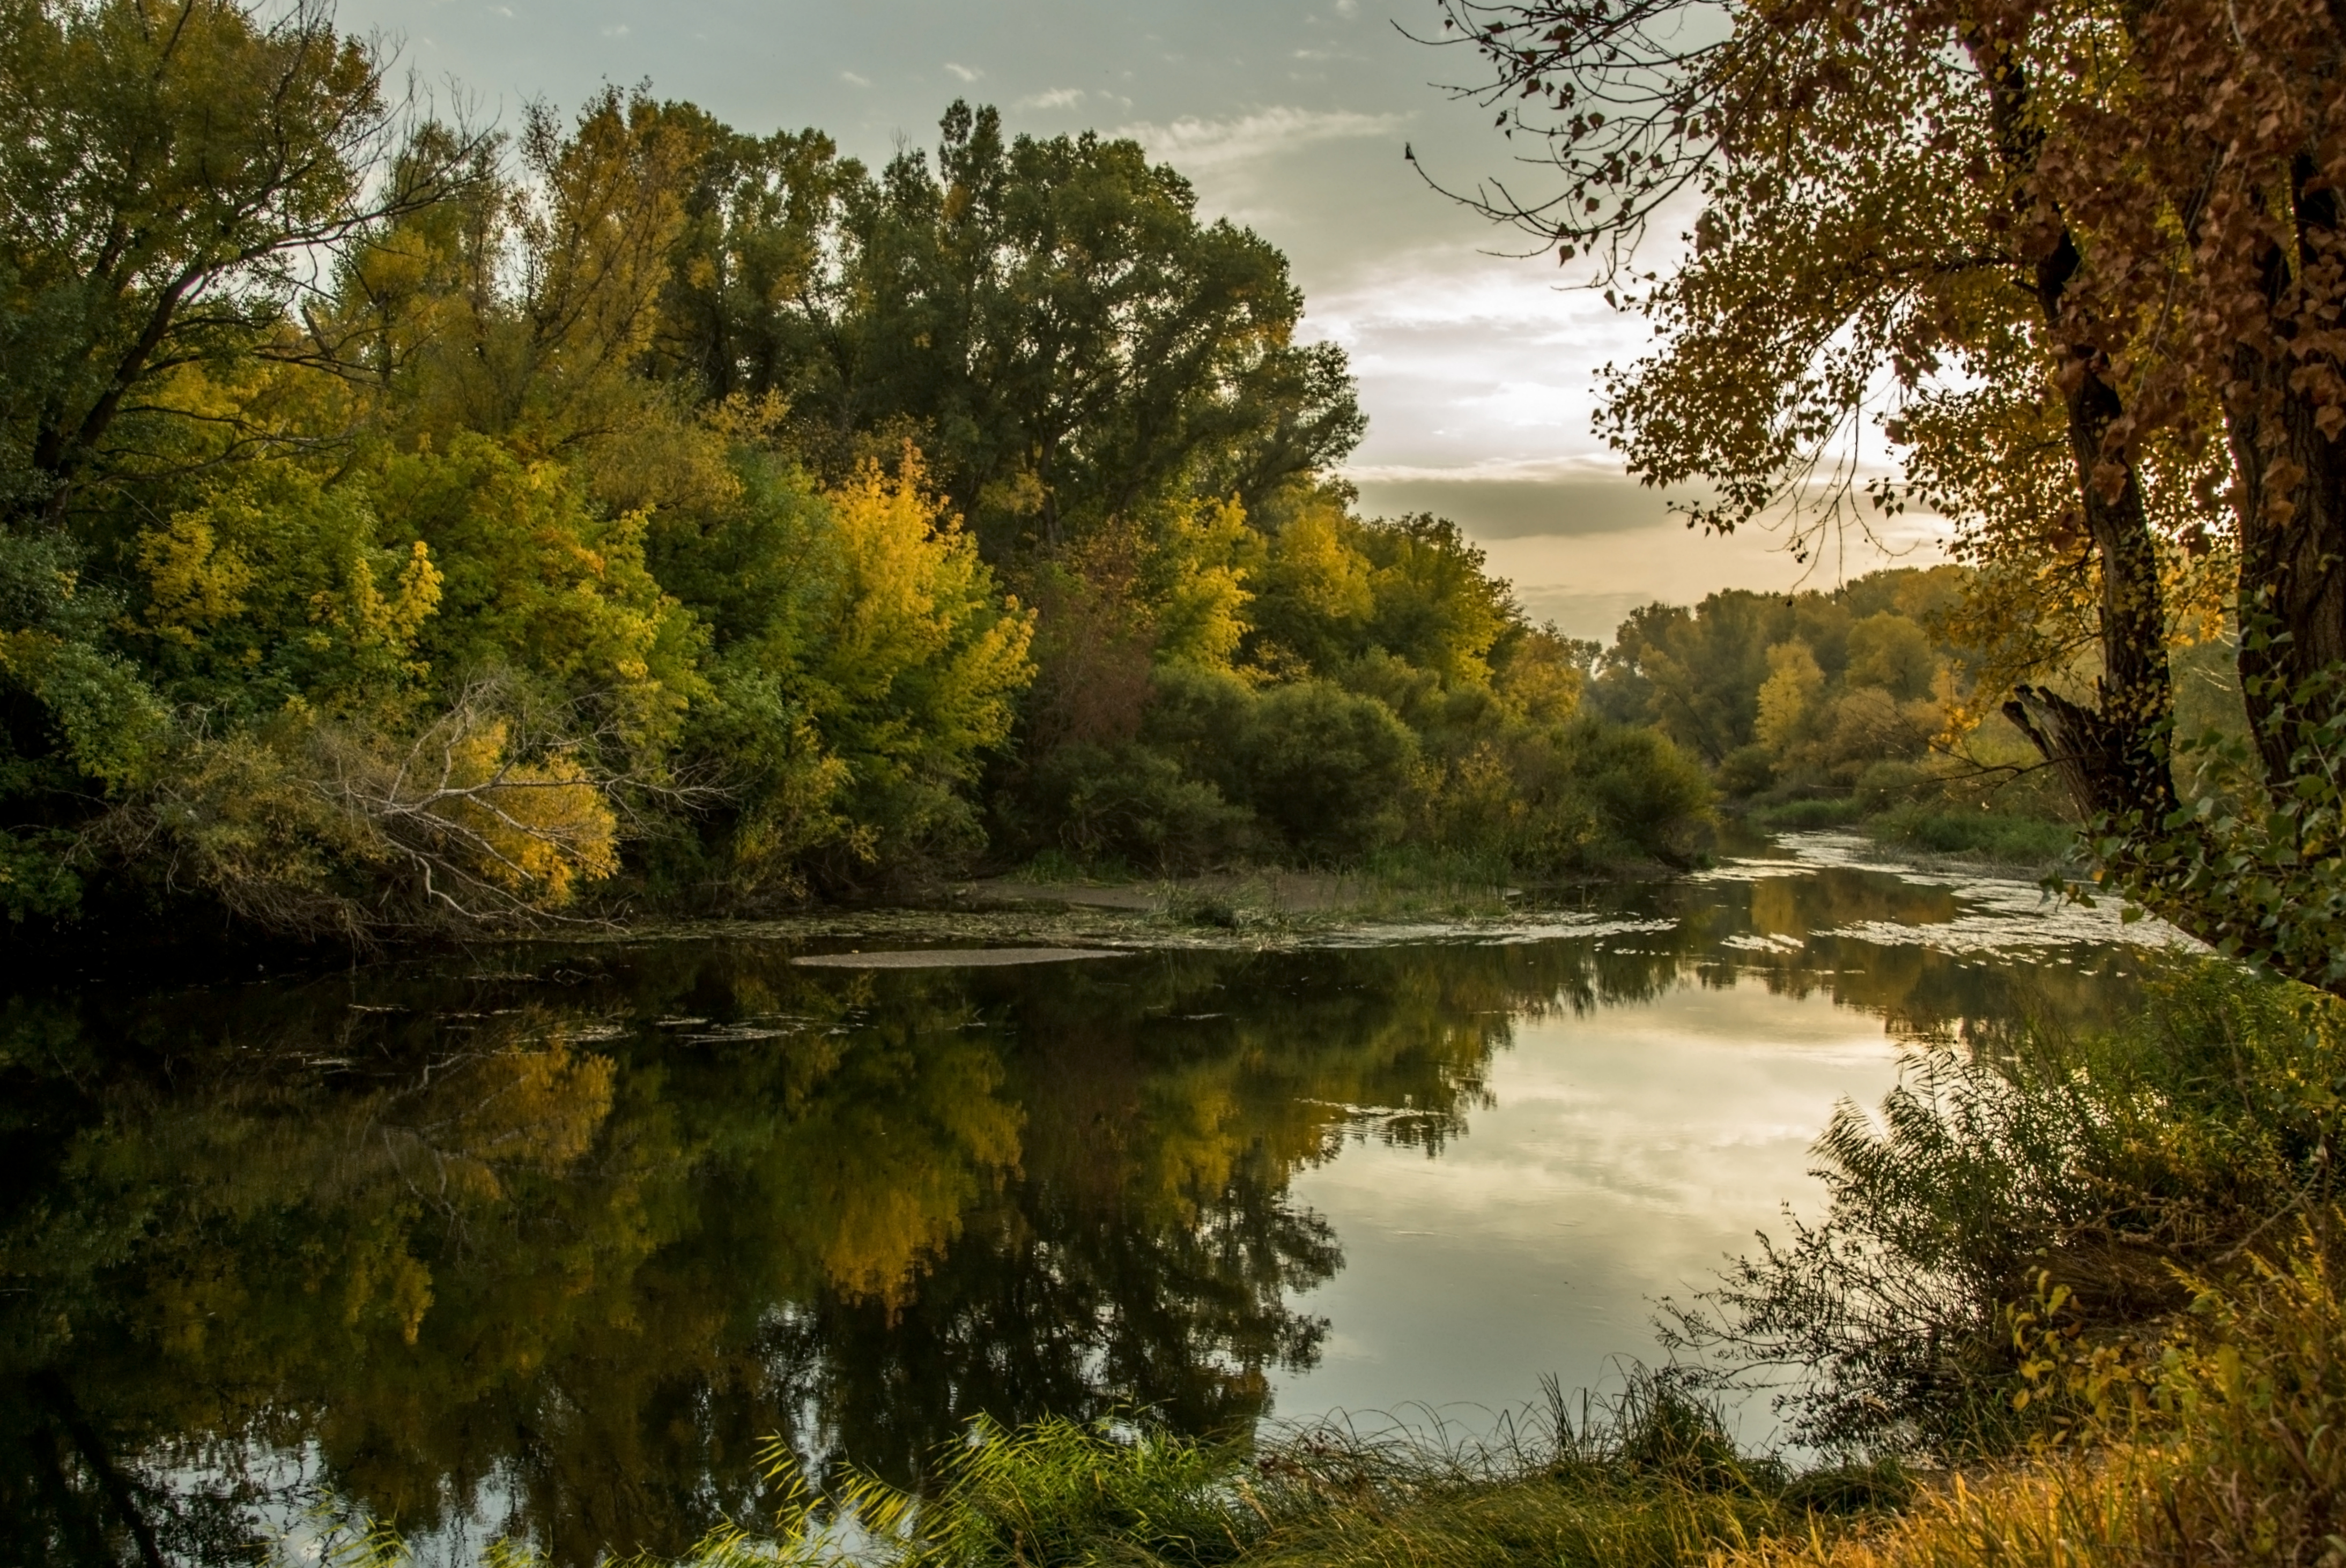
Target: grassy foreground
x,y
2236,1457
1649,1479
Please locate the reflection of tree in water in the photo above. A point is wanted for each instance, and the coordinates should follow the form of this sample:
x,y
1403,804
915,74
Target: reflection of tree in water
x,y
577,1240
482,1241
1042,1307
1919,990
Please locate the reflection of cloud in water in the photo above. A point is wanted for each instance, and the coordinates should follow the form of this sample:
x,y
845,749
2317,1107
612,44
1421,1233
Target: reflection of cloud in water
x,y
1994,914
1763,943
1626,1153
1509,932
1631,1145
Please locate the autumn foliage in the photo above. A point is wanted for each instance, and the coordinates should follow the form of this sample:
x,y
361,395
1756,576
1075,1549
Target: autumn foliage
x,y
407,525
2079,267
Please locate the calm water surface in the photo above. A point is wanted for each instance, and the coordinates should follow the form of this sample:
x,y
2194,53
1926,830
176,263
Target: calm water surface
x,y
544,1242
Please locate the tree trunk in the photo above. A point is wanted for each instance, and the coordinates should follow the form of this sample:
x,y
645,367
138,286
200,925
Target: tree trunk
x,y
2291,495
2112,756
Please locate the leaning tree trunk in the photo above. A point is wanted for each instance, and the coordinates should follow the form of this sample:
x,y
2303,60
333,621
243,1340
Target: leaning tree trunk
x,y
2112,755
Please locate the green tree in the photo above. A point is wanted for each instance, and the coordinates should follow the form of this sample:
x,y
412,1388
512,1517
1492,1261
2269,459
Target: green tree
x,y
172,171
1077,341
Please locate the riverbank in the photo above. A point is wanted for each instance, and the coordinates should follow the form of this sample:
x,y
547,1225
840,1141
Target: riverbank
x,y
1980,837
1053,902
1046,904
2001,905
1050,903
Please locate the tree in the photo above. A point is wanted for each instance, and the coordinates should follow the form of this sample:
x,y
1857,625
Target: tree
x,y
749,284
2066,249
1077,341
173,170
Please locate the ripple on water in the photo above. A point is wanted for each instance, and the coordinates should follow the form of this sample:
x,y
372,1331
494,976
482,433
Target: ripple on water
x,y
954,957
1997,914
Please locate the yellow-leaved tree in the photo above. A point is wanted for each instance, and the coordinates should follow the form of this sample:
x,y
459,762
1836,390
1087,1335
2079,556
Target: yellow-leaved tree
x,y
914,658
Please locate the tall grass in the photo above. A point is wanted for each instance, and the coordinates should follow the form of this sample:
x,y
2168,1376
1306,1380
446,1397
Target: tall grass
x,y
1987,835
1806,815
1646,1480
2236,1453
1938,827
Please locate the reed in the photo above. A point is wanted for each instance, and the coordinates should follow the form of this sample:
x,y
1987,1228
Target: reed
x,y
1647,1479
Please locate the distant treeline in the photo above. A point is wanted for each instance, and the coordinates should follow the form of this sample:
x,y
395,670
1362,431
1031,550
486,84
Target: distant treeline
x,y
403,524
1880,698
1872,701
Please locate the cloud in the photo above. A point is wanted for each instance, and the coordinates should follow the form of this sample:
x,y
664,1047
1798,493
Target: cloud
x,y
1348,9
1195,144
1493,470
618,32
965,73
1477,371
1057,98
853,80
1559,503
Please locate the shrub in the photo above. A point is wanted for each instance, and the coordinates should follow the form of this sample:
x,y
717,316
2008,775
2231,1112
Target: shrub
x,y
308,827
1196,717
1647,793
1746,771
1132,803
1891,782
1327,769
1552,799
2237,1456
2096,1166
1807,815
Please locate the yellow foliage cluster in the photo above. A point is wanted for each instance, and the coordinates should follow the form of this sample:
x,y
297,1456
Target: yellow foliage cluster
x,y
192,583
535,829
276,578
901,612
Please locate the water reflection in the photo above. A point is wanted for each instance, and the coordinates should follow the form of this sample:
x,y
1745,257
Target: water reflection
x,y
546,1248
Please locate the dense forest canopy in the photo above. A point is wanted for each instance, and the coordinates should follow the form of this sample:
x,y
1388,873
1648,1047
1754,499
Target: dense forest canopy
x,y
410,524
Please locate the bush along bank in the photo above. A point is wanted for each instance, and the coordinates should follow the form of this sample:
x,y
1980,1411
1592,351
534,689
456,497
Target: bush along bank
x,y
2070,1301
631,513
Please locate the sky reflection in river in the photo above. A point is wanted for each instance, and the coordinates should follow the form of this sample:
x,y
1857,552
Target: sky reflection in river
x,y
544,1241
1628,1151
1623,1155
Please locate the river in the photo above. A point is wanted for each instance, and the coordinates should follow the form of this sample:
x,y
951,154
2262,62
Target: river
x,y
547,1241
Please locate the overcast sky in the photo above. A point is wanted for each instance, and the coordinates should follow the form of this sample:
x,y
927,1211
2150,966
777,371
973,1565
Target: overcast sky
x,y
1476,370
